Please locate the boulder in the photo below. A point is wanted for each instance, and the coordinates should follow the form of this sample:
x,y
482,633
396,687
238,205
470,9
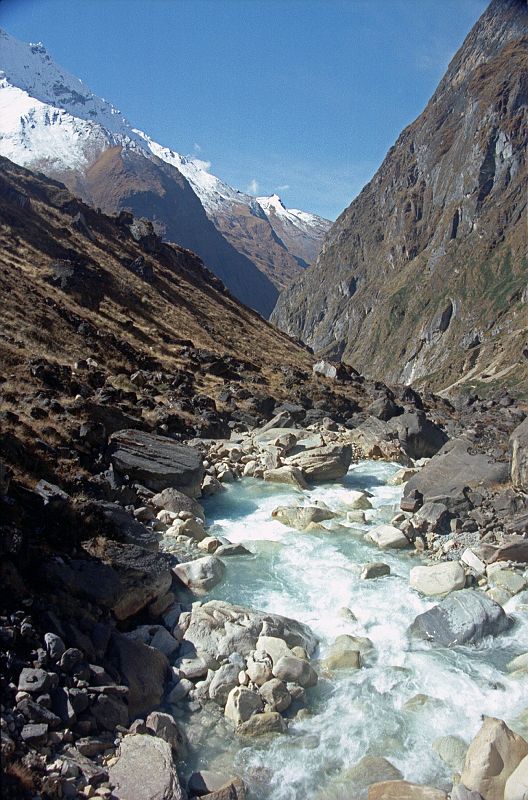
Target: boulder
x,y
143,669
519,456
262,724
452,471
343,654
241,704
375,569
224,680
375,440
122,526
492,757
300,517
387,537
357,500
275,695
517,784
123,578
403,790
369,770
208,783
432,518
165,727
156,462
171,499
402,476
466,616
327,463
274,647
438,579
292,476
452,750
217,629
155,636
460,792
201,574
295,670
144,768
419,437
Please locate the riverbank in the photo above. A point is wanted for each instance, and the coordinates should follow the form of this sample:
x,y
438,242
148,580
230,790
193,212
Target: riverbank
x,y
338,557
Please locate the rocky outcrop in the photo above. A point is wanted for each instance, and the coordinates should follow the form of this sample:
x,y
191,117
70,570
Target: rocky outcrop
x,y
421,278
519,456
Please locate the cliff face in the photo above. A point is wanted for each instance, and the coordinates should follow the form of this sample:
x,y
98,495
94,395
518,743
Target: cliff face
x,y
423,277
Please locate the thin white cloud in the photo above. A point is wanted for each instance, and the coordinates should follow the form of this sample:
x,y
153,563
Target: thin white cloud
x,y
283,187
253,186
198,147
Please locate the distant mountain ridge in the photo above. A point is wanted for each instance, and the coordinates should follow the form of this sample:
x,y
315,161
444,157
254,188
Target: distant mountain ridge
x,y
424,277
50,121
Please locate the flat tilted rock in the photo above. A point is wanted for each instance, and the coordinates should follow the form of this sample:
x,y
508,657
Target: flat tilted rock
x,y
327,463
403,790
438,579
144,769
450,471
157,462
463,617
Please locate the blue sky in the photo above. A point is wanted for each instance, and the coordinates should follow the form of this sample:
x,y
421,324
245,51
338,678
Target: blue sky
x,y
301,97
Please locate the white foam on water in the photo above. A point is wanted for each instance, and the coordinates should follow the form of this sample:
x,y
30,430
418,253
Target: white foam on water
x,y
310,577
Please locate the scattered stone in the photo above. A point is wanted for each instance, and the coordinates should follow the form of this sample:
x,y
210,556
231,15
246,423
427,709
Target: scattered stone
x,y
201,574
295,670
241,704
165,727
343,654
375,569
263,724
275,695
387,537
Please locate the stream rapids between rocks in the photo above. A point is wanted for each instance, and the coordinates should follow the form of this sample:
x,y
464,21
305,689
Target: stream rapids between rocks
x,y
406,694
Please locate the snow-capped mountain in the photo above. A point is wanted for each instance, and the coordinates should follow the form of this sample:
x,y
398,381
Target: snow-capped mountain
x,y
50,121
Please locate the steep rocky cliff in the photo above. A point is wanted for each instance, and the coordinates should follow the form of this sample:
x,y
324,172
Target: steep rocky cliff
x,y
423,277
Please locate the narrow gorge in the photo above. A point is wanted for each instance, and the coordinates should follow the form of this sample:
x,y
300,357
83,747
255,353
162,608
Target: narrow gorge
x,y
252,559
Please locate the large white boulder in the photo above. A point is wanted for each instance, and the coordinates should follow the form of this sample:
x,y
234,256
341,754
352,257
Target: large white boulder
x,y
492,757
438,580
387,537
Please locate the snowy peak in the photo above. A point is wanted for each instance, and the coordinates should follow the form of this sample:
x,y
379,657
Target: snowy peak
x,y
302,220
30,68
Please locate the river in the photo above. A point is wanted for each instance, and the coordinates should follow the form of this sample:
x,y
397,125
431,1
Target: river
x,y
404,697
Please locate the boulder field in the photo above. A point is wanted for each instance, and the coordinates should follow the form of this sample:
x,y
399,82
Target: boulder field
x,y
128,643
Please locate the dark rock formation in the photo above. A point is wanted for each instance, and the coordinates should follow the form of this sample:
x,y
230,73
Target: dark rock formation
x,y
423,276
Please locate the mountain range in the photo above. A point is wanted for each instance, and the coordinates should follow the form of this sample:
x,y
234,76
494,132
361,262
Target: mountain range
x,y
51,122
423,278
